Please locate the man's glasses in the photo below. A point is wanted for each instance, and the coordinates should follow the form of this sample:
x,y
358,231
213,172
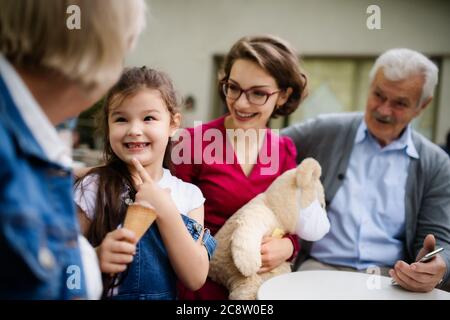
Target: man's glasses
x,y
254,95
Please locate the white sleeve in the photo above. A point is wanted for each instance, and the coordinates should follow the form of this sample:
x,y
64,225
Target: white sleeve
x,y
85,195
91,268
193,197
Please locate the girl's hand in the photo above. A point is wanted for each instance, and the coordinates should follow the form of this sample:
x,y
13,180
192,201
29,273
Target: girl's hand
x,y
116,251
149,193
274,251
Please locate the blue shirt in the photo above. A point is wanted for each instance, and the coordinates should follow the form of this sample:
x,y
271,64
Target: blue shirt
x,y
367,214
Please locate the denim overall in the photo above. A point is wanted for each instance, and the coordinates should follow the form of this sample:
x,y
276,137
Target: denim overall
x,y
39,253
150,276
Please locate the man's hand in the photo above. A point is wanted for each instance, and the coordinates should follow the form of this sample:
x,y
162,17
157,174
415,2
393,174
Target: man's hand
x,y
420,276
274,251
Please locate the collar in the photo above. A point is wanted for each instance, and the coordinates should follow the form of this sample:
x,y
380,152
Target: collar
x,y
403,143
34,117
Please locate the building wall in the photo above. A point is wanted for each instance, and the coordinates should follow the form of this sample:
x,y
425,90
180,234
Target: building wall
x,y
182,36
443,115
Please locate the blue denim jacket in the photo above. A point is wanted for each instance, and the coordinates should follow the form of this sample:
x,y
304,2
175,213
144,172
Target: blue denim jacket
x,y
150,276
39,253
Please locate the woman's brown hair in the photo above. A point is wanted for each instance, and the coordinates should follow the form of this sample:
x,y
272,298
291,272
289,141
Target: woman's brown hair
x,y
277,58
114,179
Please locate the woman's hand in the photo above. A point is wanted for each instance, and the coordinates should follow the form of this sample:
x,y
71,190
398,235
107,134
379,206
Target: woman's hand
x,y
116,251
274,251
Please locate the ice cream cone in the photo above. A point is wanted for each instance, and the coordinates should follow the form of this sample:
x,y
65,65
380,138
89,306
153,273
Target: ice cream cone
x,y
139,219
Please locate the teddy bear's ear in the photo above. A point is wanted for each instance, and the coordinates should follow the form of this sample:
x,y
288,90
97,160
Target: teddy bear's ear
x,y
308,171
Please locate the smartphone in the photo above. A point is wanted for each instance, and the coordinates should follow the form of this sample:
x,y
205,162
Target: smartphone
x,y
430,255
425,258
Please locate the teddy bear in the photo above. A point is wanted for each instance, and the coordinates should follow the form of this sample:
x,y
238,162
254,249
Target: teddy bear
x,y
293,203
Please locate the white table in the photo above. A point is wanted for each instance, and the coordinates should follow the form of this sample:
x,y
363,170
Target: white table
x,y
339,285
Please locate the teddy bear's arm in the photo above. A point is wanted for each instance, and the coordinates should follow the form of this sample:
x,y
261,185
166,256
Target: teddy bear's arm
x,y
246,239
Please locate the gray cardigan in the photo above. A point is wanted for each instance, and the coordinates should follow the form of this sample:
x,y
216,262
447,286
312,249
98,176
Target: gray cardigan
x,y
329,139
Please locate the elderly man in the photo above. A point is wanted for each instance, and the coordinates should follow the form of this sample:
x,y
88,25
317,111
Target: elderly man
x,y
50,73
387,187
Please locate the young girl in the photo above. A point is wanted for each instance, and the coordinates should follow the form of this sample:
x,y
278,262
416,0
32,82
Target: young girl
x,y
139,118
261,79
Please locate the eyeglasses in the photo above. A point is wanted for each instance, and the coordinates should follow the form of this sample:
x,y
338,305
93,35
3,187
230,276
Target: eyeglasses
x,y
254,95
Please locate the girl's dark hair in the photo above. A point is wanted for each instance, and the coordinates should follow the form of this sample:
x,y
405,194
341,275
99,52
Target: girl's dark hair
x,y
277,58
114,179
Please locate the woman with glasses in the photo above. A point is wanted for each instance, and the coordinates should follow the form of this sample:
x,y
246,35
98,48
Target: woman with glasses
x,y
261,79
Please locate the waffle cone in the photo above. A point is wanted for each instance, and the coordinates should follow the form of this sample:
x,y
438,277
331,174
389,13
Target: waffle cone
x,y
139,219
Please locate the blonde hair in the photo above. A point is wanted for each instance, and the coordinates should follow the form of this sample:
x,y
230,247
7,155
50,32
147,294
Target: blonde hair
x,y
34,36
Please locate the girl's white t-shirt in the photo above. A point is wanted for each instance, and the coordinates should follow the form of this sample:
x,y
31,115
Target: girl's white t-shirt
x,y
186,196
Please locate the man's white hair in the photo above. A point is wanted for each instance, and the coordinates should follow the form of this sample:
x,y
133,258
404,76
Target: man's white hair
x,y
399,64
